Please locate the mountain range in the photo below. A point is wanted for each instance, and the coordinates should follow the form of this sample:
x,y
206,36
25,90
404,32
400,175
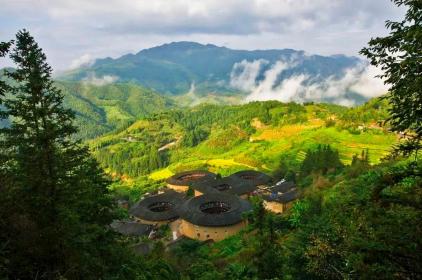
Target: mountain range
x,y
184,67
110,94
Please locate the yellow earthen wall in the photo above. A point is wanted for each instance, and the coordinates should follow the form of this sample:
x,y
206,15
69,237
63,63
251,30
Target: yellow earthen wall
x,y
274,206
198,193
277,207
205,233
178,188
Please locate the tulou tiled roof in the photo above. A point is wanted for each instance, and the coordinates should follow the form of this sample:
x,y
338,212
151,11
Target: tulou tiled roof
x,y
283,187
231,185
160,207
188,177
255,177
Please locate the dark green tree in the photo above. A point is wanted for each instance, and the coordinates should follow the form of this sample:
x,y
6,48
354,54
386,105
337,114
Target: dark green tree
x,y
4,48
267,257
58,196
258,215
399,55
324,159
4,185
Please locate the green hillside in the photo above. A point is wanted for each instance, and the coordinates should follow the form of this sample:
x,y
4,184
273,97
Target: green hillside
x,y
259,135
101,109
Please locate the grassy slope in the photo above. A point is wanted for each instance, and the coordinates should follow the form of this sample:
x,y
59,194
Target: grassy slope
x,y
101,109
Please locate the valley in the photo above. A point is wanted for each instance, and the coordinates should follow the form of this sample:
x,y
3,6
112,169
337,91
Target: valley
x,y
272,137
148,156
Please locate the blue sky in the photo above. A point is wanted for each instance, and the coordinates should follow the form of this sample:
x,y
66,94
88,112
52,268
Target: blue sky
x,y
73,32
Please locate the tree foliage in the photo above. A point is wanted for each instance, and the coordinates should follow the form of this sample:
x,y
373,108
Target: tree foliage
x,y
55,205
323,159
399,55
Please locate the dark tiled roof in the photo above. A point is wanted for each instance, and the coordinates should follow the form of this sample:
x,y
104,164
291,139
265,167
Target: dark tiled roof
x,y
230,185
204,186
283,187
160,207
188,177
193,210
255,177
282,198
130,228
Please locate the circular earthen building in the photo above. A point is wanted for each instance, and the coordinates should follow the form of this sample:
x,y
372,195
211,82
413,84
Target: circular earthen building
x,y
254,177
180,182
213,216
158,209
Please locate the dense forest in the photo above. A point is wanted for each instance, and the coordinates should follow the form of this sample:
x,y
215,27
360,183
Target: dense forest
x,y
358,171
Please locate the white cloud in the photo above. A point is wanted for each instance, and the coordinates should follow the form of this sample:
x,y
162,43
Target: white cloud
x,y
368,84
244,73
100,81
360,80
270,79
84,60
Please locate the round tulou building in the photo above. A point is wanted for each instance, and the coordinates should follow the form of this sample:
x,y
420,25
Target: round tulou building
x,y
230,185
213,216
158,209
180,182
258,179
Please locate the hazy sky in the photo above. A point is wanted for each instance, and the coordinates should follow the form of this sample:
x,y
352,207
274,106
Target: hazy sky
x,y
75,31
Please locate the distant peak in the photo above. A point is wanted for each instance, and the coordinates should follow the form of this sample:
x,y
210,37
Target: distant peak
x,y
186,44
181,45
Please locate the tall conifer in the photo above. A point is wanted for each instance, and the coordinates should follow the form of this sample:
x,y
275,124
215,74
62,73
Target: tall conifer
x,y
61,203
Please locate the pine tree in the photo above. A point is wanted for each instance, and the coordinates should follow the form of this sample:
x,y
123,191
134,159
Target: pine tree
x,y
60,197
4,186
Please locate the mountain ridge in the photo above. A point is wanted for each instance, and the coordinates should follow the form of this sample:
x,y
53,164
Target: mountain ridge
x,y
173,68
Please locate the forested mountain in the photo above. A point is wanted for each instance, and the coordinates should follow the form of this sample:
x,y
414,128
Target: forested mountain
x,y
180,67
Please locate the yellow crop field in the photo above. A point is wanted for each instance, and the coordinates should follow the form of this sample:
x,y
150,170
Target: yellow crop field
x,y
161,174
282,132
224,163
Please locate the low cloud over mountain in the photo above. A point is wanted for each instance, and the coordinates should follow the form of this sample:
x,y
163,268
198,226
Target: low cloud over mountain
x,y
352,86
